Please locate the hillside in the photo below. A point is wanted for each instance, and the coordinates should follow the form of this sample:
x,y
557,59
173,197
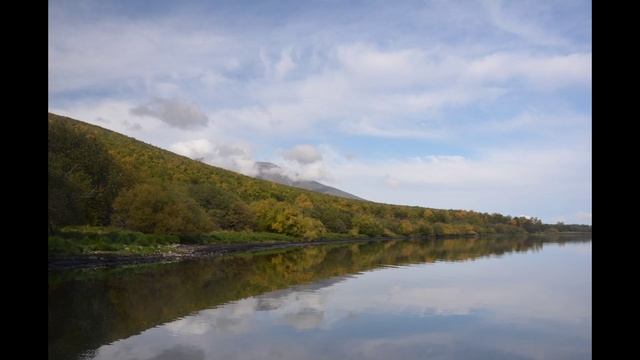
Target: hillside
x,y
102,178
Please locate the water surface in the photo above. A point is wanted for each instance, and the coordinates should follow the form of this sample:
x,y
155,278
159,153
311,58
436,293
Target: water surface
x,y
444,299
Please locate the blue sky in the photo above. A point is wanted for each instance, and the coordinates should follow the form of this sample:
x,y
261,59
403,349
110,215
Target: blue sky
x,y
481,105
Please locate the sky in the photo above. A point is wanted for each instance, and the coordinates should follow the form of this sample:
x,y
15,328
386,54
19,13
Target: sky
x,y
476,105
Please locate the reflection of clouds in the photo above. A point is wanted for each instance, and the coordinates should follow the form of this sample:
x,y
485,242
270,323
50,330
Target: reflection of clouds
x,y
305,319
240,308
414,290
435,345
180,352
232,324
302,310
432,345
452,300
234,317
302,307
441,301
189,325
520,301
511,292
153,351
580,248
524,309
266,304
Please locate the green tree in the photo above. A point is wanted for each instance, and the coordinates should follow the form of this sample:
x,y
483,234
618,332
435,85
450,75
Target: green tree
x,y
160,209
285,218
238,217
405,228
367,225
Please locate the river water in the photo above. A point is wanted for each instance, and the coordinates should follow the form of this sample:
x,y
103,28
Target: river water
x,y
413,299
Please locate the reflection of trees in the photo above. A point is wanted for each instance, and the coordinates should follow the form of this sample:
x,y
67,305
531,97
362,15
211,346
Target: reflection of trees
x,y
91,308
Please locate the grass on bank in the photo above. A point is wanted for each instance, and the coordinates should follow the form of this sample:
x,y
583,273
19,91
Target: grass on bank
x,y
74,240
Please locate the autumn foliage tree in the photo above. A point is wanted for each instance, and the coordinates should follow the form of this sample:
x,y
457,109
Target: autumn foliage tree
x,y
285,218
367,225
157,208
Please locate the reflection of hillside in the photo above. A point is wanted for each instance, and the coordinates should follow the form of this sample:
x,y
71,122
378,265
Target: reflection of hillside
x,y
88,309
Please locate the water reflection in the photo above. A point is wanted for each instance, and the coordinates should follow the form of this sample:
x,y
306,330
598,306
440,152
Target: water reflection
x,y
339,301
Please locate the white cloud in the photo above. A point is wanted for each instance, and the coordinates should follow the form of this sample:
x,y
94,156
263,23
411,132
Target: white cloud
x,y
285,65
304,154
236,157
367,63
314,171
351,81
534,121
194,149
115,53
133,126
507,180
175,112
521,24
372,128
544,72
367,89
391,181
112,113
294,170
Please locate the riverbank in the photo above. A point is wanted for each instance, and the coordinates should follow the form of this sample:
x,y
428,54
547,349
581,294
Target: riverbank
x,y
180,252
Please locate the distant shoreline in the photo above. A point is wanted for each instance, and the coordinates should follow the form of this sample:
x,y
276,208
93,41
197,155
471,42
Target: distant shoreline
x,y
184,252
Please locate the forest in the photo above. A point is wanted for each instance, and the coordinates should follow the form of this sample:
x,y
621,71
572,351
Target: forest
x,y
101,179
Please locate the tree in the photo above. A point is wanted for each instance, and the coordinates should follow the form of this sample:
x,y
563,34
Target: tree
x,y
367,225
425,229
284,218
333,218
303,202
237,217
210,196
157,208
405,228
224,207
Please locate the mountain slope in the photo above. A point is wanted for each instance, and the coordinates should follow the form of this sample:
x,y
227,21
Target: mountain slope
x,y
272,172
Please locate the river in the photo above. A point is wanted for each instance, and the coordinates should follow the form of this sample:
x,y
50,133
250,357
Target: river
x,y
509,298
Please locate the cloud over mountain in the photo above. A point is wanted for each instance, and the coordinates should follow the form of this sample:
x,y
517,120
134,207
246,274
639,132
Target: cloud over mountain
x,y
174,112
